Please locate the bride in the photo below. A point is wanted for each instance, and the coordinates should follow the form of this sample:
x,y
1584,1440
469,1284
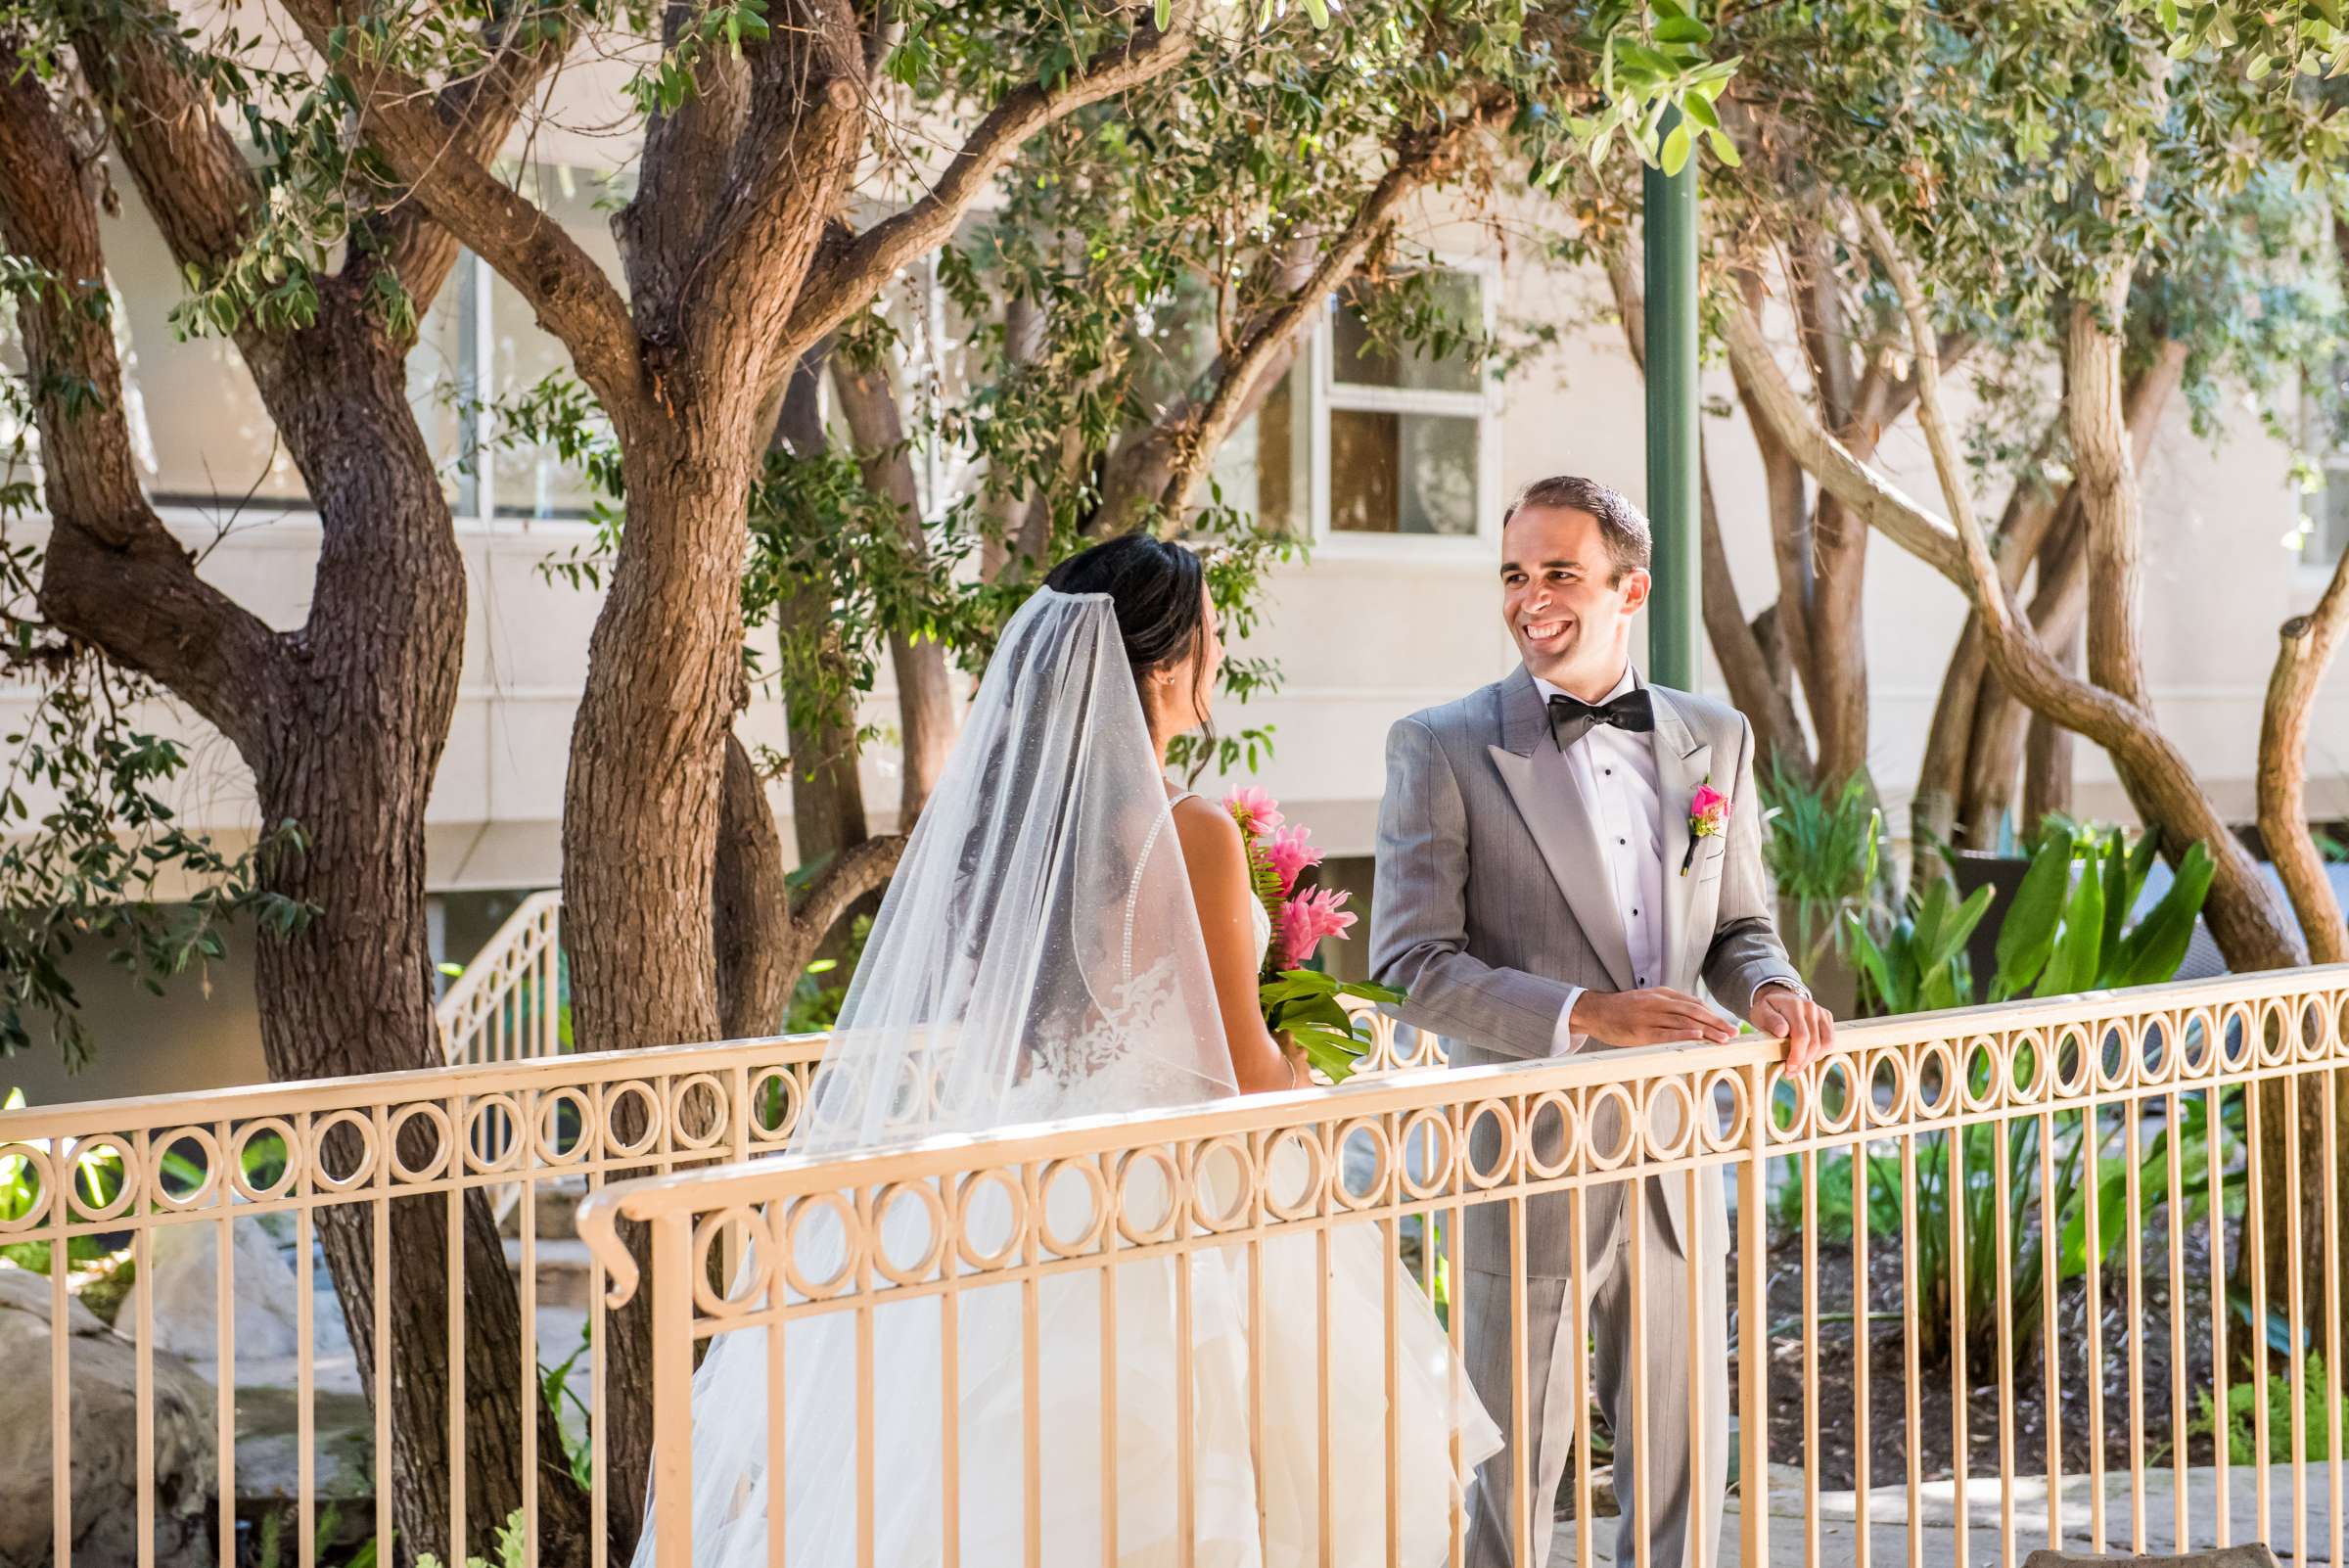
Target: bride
x,y
1071,936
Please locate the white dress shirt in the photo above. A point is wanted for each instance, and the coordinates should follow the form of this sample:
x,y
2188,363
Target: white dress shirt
x,y
1615,770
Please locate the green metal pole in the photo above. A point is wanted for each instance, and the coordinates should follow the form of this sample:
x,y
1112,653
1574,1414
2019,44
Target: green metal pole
x,y
1674,614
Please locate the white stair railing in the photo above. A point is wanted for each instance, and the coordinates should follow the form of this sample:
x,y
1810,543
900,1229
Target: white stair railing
x,y
507,1006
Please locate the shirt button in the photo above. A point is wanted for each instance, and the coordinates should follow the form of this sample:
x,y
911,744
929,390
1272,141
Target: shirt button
x,y
1622,840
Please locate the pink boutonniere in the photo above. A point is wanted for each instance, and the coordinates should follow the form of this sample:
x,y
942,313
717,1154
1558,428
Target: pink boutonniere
x,y
1708,817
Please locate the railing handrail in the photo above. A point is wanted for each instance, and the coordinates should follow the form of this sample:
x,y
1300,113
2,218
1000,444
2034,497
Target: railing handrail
x,y
747,1183
360,1091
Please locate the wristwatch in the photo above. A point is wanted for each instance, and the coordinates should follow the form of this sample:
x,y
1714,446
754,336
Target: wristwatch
x,y
1795,986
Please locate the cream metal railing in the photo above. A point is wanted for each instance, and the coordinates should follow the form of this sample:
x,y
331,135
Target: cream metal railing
x,y
2247,1069
665,1133
198,1173
506,1006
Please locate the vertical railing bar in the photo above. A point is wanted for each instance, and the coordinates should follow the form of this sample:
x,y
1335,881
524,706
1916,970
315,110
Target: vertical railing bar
x,y
1109,1382
1701,1478
1388,1277
1809,1167
1256,1351
142,1264
454,1252
2255,1220
2215,1121
1911,1351
1456,1330
672,1397
2328,1097
949,1383
1959,1390
2134,1243
63,1153
1634,1220
2295,1315
594,1139
2091,1163
1326,1520
1186,1412
2003,1228
381,1369
1862,1336
2049,1327
1576,1303
1753,1325
224,1338
528,1199
865,1416
305,1344
2180,1517
1521,1485
778,1407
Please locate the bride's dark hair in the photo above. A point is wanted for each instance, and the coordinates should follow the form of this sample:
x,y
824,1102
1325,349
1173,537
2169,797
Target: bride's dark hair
x,y
1156,590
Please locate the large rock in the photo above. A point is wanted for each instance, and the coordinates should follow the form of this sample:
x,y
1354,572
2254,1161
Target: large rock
x,y
104,1391
183,1263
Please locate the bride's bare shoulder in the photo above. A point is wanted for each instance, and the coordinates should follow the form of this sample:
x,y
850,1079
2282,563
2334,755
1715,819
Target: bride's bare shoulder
x,y
1209,835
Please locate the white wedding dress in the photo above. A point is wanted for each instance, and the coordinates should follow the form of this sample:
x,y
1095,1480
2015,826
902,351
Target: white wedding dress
x,y
1038,958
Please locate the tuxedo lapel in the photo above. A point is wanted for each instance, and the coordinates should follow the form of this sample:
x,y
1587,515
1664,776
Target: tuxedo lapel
x,y
1553,809
1684,761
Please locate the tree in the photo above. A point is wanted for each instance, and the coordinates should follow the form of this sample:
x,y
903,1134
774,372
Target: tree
x,y
341,719
2102,192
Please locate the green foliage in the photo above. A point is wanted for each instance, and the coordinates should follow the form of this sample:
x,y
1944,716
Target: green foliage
x,y
2242,1428
1920,965
1962,1201
512,1547
1825,852
816,998
88,834
1303,1004
2068,929
555,1388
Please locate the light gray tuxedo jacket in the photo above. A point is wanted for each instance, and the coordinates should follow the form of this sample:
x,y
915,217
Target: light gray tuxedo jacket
x,y
1493,899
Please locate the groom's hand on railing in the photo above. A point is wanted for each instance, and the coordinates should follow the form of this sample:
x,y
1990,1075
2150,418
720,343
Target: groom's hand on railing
x,y
1809,1029
1658,1016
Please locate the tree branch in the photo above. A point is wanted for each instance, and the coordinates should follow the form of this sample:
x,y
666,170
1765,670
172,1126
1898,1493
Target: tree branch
x,y
2250,924
568,290
842,284
1882,504
1426,159
113,574
2305,649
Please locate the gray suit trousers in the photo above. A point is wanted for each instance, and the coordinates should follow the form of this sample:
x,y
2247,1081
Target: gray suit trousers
x,y
1639,1362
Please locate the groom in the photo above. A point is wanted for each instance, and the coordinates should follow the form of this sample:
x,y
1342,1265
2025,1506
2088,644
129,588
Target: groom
x,y
1540,893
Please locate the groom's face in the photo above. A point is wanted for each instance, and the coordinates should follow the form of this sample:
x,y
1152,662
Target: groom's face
x,y
1568,607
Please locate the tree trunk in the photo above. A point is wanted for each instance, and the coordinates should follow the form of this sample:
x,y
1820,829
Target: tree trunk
x,y
640,810
356,736
752,906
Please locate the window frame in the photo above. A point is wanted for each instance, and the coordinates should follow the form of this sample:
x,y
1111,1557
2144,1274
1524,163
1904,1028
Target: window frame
x,y
1326,394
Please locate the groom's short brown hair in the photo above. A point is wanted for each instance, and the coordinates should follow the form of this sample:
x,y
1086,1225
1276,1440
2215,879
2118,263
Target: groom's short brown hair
x,y
1621,524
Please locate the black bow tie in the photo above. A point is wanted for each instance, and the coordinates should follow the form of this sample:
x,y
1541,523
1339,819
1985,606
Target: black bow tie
x,y
1571,719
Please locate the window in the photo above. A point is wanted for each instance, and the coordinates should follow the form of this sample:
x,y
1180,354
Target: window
x,y
1362,440
204,440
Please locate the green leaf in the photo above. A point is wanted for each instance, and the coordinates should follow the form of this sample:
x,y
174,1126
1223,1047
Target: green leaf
x,y
1677,147
1684,30
2153,952
2027,936
2074,966
1163,14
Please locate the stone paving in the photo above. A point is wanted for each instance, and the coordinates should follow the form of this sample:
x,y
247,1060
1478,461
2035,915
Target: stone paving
x,y
1838,1534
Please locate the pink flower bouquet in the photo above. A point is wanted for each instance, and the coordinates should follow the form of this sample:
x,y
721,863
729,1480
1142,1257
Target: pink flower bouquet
x,y
1299,1000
